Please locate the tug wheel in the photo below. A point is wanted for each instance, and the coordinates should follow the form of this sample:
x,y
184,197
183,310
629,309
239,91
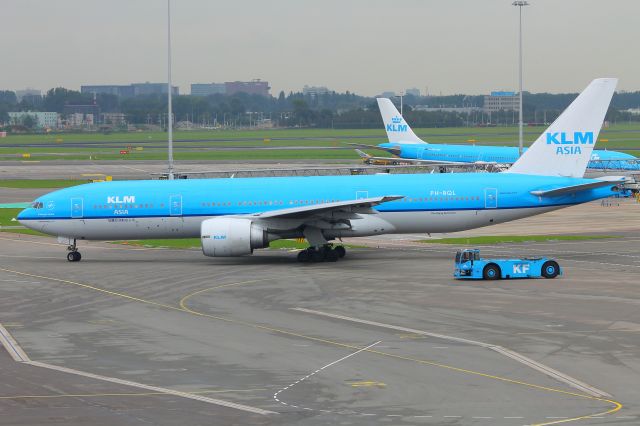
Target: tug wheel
x,y
491,272
550,269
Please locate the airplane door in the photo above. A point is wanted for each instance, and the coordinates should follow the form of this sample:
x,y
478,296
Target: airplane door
x,y
362,194
76,208
490,198
175,205
420,154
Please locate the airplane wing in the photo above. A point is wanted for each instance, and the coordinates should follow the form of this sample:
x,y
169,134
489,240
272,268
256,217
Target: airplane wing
x,y
604,181
394,150
369,158
360,205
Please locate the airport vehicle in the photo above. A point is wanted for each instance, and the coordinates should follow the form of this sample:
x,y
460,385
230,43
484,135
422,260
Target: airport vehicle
x,y
234,216
404,143
469,265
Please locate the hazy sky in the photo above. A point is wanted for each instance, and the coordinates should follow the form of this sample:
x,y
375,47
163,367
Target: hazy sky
x,y
366,46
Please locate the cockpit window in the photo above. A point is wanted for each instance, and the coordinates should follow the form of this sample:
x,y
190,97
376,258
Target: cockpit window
x,y
37,205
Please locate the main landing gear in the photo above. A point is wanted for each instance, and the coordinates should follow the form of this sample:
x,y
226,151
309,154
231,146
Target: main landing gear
x,y
326,253
73,255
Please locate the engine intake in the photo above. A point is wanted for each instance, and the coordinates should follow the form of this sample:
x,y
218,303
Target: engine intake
x,y
225,237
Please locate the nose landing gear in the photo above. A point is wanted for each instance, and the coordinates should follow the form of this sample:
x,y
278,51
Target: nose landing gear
x,y
73,255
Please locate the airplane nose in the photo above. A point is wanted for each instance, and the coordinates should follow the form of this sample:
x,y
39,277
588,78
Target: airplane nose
x,y
23,217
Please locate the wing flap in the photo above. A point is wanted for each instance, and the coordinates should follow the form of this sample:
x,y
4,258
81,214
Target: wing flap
x,y
360,205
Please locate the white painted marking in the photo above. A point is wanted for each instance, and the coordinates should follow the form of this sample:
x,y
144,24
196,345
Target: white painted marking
x,y
167,391
275,395
11,346
19,355
575,383
394,327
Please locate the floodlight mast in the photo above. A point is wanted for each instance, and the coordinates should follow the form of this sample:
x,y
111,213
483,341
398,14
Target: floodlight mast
x,y
170,117
520,4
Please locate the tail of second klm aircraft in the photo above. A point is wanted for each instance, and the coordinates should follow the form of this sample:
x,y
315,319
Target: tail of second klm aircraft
x,y
564,149
397,129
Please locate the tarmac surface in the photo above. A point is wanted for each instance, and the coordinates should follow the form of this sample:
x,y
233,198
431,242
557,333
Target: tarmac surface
x,y
130,336
136,336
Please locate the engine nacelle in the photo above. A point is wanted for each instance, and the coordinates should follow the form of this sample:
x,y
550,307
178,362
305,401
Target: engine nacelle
x,y
227,236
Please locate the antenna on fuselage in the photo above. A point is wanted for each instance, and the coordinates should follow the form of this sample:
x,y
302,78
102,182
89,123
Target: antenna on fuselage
x,y
170,115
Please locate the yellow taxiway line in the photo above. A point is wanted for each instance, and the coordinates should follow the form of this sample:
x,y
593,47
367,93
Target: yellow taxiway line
x,y
183,308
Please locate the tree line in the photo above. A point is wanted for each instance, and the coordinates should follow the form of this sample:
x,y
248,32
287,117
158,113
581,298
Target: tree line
x,y
328,110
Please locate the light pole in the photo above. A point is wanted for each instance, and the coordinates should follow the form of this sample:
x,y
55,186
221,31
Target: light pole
x,y
520,4
170,117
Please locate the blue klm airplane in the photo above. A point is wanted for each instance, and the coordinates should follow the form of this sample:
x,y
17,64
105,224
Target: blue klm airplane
x,y
233,217
404,143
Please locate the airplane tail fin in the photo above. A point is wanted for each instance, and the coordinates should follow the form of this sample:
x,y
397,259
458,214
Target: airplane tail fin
x,y
564,149
397,129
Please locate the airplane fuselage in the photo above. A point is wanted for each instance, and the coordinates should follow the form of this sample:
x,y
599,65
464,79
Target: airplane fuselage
x,y
600,159
175,209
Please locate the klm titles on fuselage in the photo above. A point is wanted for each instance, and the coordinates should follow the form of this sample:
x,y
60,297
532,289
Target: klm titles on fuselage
x,y
396,125
124,200
572,144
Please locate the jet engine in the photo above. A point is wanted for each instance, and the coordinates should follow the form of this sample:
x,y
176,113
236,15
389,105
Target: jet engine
x,y
225,237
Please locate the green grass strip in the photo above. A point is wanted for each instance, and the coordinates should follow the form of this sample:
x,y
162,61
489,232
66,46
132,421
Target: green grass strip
x,y
514,239
39,183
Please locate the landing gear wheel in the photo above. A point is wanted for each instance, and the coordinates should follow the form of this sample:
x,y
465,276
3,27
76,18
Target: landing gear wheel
x,y
303,256
317,255
340,251
550,269
491,272
74,256
331,255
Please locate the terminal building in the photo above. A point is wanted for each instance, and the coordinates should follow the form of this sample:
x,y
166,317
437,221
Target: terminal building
x,y
206,89
254,87
42,120
501,101
130,90
314,91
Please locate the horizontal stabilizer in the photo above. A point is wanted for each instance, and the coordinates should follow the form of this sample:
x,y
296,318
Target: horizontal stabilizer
x,y
362,154
393,149
602,182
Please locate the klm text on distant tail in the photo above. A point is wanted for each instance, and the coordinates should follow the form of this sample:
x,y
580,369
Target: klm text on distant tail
x,y
396,125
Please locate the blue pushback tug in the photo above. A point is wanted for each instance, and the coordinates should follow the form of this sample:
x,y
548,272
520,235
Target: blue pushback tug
x,y
469,265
